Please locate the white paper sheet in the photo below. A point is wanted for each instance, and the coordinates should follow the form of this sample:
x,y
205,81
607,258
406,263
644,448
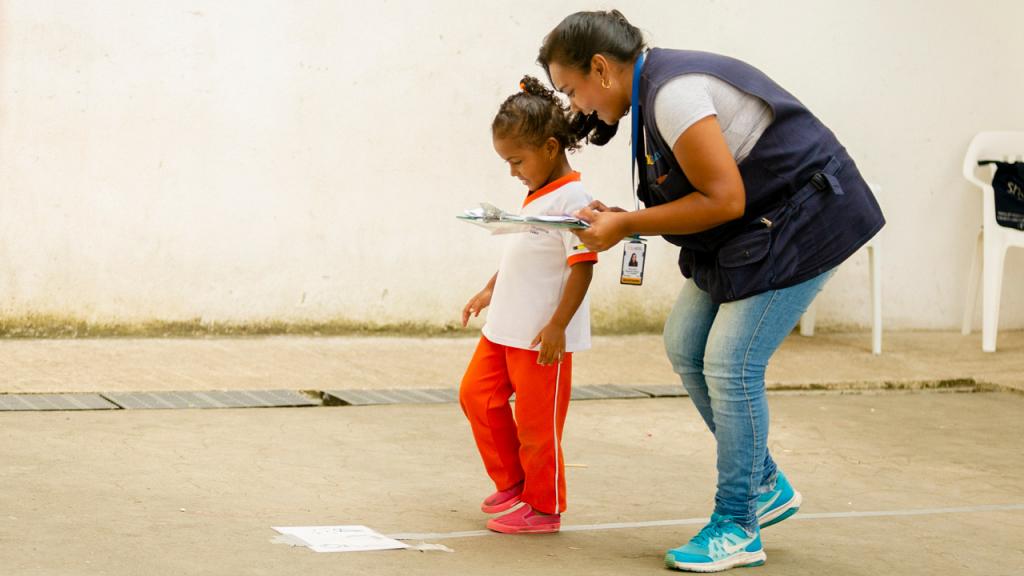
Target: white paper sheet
x,y
351,538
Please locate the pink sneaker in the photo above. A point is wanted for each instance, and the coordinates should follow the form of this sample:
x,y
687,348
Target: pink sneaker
x,y
525,520
502,500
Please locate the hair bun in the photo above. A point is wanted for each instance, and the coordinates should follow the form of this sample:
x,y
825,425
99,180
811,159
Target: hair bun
x,y
535,87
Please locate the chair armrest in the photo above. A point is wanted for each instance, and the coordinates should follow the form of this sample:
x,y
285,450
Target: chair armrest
x,y
971,175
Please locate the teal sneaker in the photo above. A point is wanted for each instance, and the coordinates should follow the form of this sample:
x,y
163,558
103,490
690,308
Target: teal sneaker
x,y
775,506
720,545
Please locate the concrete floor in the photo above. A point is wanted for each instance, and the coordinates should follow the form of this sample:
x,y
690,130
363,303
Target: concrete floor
x,y
898,482
196,492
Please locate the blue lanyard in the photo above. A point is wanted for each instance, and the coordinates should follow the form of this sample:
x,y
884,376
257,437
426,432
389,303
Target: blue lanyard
x,y
634,112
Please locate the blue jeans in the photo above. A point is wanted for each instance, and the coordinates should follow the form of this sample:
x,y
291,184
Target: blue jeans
x,y
720,352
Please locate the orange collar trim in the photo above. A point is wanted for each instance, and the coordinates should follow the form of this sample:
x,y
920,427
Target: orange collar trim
x,y
552,186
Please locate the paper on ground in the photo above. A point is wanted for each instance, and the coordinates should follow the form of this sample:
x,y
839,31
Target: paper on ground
x,y
351,538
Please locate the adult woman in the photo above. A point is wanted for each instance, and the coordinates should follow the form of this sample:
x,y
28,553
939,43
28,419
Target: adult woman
x,y
764,203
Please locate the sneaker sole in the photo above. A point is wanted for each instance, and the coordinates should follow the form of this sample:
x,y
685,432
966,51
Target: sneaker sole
x,y
782,512
741,560
506,505
550,529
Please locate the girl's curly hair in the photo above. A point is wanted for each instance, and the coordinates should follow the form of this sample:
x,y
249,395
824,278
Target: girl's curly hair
x,y
535,114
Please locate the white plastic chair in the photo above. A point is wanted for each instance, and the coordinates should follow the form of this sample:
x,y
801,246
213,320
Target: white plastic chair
x,y
993,239
875,273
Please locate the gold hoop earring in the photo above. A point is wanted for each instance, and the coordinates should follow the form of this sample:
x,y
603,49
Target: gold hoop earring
x,y
603,85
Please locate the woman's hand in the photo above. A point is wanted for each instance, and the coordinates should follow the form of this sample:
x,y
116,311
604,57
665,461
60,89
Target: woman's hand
x,y
607,226
481,300
552,344
599,206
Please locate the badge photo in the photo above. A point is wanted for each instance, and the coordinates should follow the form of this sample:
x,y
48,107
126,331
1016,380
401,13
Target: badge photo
x,y
633,263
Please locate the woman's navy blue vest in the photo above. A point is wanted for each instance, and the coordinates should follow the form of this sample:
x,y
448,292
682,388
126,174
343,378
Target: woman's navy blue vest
x,y
807,206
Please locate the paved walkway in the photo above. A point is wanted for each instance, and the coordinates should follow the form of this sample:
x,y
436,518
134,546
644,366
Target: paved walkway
x,y
841,360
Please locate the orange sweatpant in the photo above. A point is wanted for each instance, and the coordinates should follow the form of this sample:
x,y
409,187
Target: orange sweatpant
x,y
526,448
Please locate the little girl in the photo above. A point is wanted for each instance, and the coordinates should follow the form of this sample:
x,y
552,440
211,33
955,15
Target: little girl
x,y
537,297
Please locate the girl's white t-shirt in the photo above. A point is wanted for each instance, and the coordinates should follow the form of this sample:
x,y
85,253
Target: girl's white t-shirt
x,y
534,269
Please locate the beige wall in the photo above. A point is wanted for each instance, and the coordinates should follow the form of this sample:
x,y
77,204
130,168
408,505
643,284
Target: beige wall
x,y
304,160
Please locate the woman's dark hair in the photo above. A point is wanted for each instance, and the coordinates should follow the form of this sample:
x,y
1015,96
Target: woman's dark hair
x,y
575,41
592,129
533,115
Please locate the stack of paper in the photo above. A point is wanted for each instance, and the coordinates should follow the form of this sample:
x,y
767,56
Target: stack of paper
x,y
500,222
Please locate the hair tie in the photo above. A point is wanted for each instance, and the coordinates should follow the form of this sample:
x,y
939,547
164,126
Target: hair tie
x,y
522,86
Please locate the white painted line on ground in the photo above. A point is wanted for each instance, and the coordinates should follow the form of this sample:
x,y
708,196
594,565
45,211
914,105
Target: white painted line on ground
x,y
702,521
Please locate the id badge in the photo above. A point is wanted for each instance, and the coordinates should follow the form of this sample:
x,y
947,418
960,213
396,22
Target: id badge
x,y
633,253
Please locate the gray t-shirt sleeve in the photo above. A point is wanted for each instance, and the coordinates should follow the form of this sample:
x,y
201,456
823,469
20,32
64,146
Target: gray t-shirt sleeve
x,y
686,99
681,103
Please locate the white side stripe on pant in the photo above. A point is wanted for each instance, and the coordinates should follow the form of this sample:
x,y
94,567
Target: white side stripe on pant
x,y
554,429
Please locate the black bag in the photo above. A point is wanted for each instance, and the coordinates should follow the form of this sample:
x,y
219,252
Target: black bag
x,y
1008,184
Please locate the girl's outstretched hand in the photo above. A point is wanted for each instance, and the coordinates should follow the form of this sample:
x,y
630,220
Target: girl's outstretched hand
x,y
481,300
607,226
552,344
